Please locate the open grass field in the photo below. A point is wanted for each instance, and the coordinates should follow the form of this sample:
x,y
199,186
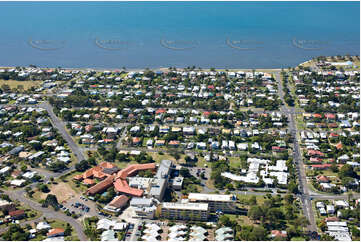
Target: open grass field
x,y
245,198
68,179
202,162
158,157
235,162
26,84
63,191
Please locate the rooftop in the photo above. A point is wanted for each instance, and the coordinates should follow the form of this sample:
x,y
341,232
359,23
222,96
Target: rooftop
x,y
186,206
210,197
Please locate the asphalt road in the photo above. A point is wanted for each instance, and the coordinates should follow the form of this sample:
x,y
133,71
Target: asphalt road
x,y
60,125
305,197
47,212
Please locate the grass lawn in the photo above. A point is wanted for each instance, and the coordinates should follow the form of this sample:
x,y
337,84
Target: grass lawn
x,y
122,165
301,125
157,157
297,239
38,195
210,184
328,172
243,198
31,214
235,162
123,75
201,162
240,219
68,179
63,191
315,190
26,84
244,220
55,223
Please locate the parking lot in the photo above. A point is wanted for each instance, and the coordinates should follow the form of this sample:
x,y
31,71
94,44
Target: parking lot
x,y
80,205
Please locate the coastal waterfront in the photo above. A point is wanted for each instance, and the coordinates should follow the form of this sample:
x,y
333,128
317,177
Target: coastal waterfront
x,y
101,35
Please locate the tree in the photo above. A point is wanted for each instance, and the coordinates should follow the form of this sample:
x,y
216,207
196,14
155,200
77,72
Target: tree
x,y
57,166
249,232
292,187
5,88
346,171
229,186
274,214
16,233
23,168
184,172
68,230
334,167
253,200
258,233
44,188
20,88
255,213
82,165
52,201
289,198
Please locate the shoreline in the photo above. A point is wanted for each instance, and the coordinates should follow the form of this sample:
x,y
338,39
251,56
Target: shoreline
x,y
152,69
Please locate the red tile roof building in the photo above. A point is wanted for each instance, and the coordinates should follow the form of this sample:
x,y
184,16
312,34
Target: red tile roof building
x,y
55,232
332,219
322,178
95,172
123,187
119,180
101,186
330,116
315,153
119,201
277,233
17,214
133,169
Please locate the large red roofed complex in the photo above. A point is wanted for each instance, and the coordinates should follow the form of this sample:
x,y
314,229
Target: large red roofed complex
x,y
123,187
132,169
96,172
101,186
119,180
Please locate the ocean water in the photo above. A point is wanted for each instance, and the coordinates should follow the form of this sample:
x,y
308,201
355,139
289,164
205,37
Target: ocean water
x,y
163,34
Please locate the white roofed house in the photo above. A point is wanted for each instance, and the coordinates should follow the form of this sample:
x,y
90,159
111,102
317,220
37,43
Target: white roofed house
x,y
224,234
255,146
188,130
18,182
224,144
341,204
111,132
231,145
242,146
43,225
201,145
330,209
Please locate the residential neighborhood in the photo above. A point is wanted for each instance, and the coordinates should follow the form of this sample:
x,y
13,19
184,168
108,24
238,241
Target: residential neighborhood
x,y
180,154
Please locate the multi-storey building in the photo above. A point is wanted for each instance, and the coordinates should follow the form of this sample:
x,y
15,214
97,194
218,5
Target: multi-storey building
x,y
216,202
185,211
